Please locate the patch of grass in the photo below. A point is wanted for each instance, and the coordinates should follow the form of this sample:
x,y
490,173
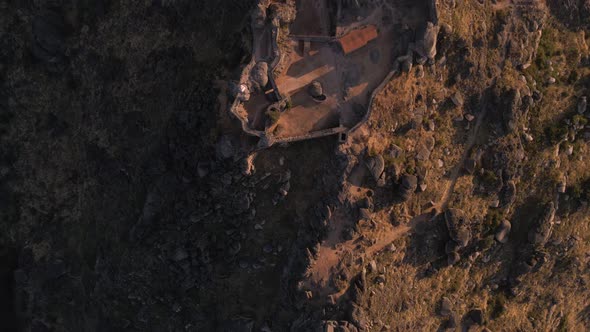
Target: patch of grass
x,y
497,305
492,220
580,190
372,152
489,178
580,120
487,242
274,115
556,132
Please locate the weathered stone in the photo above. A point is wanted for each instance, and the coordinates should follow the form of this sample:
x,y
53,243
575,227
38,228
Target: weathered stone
x,y
539,235
316,90
457,99
259,74
582,105
503,231
408,185
451,247
372,266
508,194
376,166
470,165
427,40
453,258
422,152
562,186
446,307
259,16
458,226
365,214
225,148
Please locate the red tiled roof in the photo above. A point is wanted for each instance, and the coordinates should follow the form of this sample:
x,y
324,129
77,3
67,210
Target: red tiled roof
x,y
357,38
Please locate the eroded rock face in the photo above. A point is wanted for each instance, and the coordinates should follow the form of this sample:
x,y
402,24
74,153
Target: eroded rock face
x,y
408,185
503,231
509,105
573,13
316,90
539,235
458,226
259,74
259,16
376,166
426,44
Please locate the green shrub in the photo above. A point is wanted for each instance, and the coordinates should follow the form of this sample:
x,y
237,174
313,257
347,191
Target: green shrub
x,y
489,178
492,220
580,120
556,133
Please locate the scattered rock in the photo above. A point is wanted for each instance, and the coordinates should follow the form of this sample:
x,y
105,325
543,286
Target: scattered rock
x,y
562,186
431,125
457,99
470,165
426,43
503,231
453,258
240,203
446,307
376,166
248,165
259,16
582,105
365,214
408,185
539,235
422,152
508,194
458,226
225,148
372,266
316,89
395,151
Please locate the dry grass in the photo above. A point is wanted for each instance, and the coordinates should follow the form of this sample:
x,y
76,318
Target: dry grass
x,y
554,298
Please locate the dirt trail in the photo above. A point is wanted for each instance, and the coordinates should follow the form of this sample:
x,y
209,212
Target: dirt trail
x,y
450,187
331,253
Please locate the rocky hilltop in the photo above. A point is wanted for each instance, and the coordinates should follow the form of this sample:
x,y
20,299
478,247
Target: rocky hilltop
x,y
133,199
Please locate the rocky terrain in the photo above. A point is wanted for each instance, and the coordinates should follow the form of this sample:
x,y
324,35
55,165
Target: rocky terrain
x,y
133,201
